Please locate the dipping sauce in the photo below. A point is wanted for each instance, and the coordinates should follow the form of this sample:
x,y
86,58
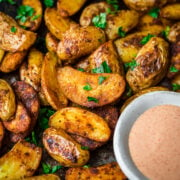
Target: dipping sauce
x,y
154,143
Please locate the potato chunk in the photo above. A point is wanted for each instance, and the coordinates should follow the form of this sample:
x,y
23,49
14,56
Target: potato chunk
x,y
51,42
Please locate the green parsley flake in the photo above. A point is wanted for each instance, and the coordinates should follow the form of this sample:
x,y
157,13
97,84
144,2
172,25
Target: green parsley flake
x,y
114,4
32,138
121,33
86,166
35,17
146,39
92,99
175,87
84,148
87,87
13,29
131,64
81,69
173,69
154,12
12,2
48,169
49,3
101,79
100,20
129,92
165,32
103,68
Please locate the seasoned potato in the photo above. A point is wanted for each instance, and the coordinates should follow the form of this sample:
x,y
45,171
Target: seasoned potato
x,y
53,93
106,52
67,8
174,33
51,43
152,63
125,19
33,23
91,11
20,122
1,133
63,148
7,101
80,41
2,52
176,83
106,172
81,122
44,177
12,61
171,11
22,161
56,24
144,91
14,41
72,82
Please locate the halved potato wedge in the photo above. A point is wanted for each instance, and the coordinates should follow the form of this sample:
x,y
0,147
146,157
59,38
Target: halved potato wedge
x,y
44,177
72,83
1,133
51,42
22,161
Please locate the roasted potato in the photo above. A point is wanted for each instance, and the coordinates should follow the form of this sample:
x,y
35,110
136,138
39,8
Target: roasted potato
x,y
1,133
14,41
110,171
171,11
81,122
63,148
53,93
56,24
33,22
125,19
44,177
151,65
51,42
174,33
72,82
176,83
2,52
68,9
80,41
7,101
22,161
12,61
83,65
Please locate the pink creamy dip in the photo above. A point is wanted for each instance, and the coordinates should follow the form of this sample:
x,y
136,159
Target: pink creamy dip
x,y
154,143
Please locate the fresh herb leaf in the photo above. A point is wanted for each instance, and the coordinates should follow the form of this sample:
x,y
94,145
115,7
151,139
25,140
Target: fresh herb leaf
x,y
100,20
131,65
86,166
56,168
12,2
101,79
121,33
84,147
129,92
175,87
47,168
115,5
87,87
32,138
81,69
154,12
165,32
103,68
24,27
35,17
146,39
92,99
13,29
173,69
49,3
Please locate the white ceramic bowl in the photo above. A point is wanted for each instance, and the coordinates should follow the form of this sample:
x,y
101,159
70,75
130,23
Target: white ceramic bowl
x,y
125,122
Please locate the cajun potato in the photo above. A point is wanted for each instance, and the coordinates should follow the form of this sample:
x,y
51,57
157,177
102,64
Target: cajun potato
x,y
63,148
174,33
49,83
171,11
7,101
1,133
12,61
21,161
106,172
66,8
152,63
125,19
44,177
91,11
20,40
2,52
33,23
51,42
80,41
72,82
56,24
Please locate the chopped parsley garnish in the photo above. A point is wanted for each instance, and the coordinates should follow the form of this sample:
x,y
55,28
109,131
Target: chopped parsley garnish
x,y
92,99
128,91
12,2
32,138
84,147
86,166
131,64
101,79
173,69
13,29
49,3
87,87
121,33
35,17
165,32
100,20
146,39
47,168
81,69
154,12
175,87
114,4
103,68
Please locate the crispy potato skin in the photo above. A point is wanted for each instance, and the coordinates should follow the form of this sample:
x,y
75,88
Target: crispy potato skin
x,y
31,24
81,122
72,81
174,34
19,41
51,42
12,61
80,41
50,88
63,148
22,161
68,9
152,63
171,11
1,133
127,19
44,177
56,24
7,101
2,52
105,172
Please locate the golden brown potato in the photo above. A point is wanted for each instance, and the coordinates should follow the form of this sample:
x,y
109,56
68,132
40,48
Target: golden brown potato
x,y
56,24
106,52
110,171
20,122
1,133
67,8
33,22
81,122
125,19
174,33
51,43
63,148
49,83
22,161
176,83
44,177
14,41
7,101
12,61
72,83
144,5
80,41
83,65
171,11
91,11
2,52
144,91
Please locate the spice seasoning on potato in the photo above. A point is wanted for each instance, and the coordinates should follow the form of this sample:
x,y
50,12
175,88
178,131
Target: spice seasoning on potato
x,y
51,42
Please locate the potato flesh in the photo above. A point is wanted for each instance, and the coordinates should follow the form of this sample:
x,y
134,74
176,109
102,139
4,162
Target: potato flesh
x,y
51,42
